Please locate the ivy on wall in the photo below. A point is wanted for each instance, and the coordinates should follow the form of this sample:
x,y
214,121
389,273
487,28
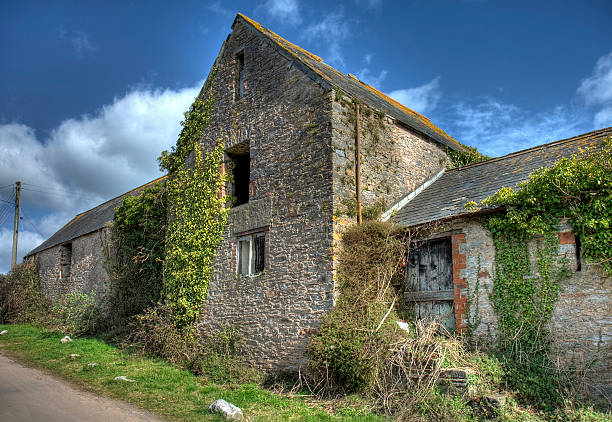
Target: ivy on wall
x,y
463,158
578,188
139,232
197,217
168,235
197,214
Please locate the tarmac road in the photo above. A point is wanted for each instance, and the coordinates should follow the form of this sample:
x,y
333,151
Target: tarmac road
x,y
31,395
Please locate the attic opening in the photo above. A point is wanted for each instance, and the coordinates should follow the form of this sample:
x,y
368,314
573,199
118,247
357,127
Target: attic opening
x,y
239,76
240,159
65,260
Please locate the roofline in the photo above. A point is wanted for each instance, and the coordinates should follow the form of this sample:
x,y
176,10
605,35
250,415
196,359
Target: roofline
x,y
76,217
587,135
445,138
159,179
469,214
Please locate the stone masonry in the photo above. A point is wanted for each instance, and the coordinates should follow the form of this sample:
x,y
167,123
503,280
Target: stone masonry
x,y
581,324
301,140
87,272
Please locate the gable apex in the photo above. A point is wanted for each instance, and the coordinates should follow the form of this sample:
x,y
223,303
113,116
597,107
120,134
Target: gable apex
x,y
316,68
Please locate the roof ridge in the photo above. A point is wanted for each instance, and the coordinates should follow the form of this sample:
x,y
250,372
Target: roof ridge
x,y
531,149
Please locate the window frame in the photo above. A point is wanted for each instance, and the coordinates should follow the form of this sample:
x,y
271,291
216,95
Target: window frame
x,y
250,238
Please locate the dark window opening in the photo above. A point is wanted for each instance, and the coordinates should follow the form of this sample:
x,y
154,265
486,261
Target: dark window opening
x,y
65,260
259,247
578,253
239,81
241,172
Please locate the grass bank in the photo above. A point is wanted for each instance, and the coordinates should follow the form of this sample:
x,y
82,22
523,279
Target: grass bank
x,y
165,390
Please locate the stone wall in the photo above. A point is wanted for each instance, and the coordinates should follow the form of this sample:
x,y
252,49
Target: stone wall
x,y
87,271
394,159
581,325
285,117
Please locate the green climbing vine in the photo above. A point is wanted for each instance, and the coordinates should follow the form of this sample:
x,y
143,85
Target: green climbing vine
x,y
138,234
197,217
525,289
197,214
463,158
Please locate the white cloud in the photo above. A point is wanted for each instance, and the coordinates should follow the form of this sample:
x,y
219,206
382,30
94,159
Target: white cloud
x,y
498,128
330,32
287,11
368,58
423,98
603,118
27,241
597,90
89,159
375,80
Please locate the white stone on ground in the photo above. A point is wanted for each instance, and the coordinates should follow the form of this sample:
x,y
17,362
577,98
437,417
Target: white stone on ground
x,y
3,332
228,410
75,356
404,326
124,378
92,365
66,339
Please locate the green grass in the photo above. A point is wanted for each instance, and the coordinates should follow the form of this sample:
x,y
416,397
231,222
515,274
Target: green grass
x,y
174,394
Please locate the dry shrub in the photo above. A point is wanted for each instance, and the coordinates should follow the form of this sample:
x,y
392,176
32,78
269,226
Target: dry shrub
x,y
20,298
352,343
217,357
411,371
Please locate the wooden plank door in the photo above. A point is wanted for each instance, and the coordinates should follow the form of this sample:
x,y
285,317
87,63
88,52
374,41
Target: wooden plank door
x,y
429,278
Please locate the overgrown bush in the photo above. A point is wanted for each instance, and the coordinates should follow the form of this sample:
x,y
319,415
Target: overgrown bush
x,y
217,357
75,314
20,297
136,261
347,353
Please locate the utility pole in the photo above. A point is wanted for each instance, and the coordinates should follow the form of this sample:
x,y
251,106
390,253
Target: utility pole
x,y
16,223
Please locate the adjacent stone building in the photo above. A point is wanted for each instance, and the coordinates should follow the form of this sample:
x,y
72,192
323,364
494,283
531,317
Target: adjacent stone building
x,y
581,325
291,126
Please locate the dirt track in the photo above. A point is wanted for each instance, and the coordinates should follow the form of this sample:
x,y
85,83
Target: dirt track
x,y
31,395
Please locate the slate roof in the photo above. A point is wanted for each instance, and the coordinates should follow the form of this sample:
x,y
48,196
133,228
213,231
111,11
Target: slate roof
x,y
89,221
354,87
445,197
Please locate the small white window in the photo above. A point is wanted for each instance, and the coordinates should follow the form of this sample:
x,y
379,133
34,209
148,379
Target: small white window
x,y
251,254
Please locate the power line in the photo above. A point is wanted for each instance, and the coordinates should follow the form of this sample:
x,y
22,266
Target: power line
x,y
7,186
54,189
31,224
62,194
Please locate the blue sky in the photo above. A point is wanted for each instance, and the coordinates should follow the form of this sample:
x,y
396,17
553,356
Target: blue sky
x,y
90,94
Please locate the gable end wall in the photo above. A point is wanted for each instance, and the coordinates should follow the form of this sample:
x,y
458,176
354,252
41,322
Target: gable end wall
x,y
285,116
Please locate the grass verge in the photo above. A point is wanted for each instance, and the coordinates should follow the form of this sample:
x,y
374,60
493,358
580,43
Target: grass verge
x,y
174,394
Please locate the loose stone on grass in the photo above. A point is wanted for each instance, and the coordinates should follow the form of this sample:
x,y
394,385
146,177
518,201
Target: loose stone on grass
x,y
227,410
3,332
66,339
124,379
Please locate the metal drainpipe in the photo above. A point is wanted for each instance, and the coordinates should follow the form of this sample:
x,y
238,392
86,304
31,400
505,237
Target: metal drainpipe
x,y
357,163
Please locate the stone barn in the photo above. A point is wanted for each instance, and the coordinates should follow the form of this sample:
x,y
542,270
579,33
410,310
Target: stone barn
x,y
305,141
